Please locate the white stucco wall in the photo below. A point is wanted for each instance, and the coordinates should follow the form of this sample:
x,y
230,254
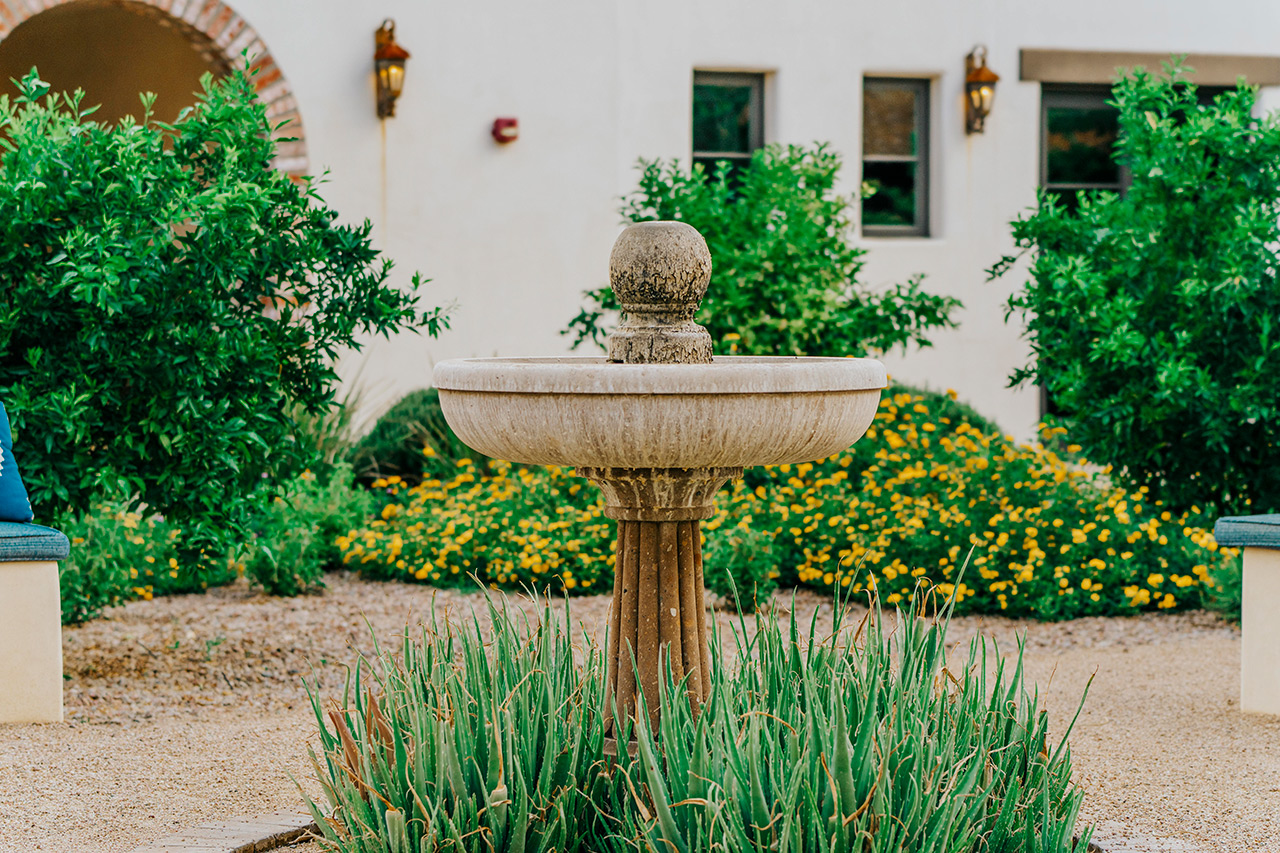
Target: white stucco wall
x,y
513,233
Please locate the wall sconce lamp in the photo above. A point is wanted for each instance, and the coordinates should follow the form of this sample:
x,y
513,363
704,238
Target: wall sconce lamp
x,y
979,89
388,66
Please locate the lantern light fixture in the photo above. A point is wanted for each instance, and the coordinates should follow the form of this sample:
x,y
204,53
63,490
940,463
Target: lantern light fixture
x,y
388,66
979,90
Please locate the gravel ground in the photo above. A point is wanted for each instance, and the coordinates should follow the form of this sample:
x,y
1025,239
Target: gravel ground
x,y
189,709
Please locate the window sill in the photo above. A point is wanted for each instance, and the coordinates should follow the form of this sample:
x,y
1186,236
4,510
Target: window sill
x,y
889,239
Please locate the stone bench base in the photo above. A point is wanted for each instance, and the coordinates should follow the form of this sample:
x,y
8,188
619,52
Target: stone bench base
x,y
1260,632
30,643
1259,536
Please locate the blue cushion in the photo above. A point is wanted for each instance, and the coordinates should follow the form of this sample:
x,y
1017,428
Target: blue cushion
x,y
31,542
14,504
1248,531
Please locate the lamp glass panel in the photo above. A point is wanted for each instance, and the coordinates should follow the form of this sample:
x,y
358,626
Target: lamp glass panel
x,y
722,118
888,120
1079,144
894,199
986,95
394,77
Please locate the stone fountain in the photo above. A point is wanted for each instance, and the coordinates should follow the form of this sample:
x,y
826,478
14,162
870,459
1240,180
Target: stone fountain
x,y
659,426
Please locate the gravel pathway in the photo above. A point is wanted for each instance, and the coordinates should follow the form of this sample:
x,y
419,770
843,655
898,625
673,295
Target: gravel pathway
x,y
189,709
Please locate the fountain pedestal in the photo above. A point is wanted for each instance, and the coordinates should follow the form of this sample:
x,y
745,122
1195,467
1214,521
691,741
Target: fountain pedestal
x,y
659,614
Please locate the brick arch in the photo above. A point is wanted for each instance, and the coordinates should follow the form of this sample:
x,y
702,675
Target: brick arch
x,y
218,32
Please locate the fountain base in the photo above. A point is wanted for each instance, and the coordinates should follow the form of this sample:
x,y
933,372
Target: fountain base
x,y
659,614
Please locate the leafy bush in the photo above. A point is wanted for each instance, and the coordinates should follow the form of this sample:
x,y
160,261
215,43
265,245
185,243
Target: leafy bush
x,y
168,294
1226,593
1152,315
1050,538
784,272
849,742
738,566
118,555
295,542
393,448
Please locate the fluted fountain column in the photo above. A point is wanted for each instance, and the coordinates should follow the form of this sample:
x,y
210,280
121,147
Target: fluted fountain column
x,y
659,613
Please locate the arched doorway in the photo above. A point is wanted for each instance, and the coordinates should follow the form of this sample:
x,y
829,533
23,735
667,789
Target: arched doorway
x,y
114,49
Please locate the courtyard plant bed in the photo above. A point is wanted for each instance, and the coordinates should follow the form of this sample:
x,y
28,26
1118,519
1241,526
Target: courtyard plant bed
x,y
931,484
864,735
190,708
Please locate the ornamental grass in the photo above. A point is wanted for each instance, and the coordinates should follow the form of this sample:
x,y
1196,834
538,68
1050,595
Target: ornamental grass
x,y
930,485
866,738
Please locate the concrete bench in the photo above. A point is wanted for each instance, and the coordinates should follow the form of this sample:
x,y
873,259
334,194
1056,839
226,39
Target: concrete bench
x,y
30,623
1259,536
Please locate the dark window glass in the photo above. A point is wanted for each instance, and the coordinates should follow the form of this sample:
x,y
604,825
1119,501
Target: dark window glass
x,y
1078,133
728,118
894,200
895,137
1079,145
722,118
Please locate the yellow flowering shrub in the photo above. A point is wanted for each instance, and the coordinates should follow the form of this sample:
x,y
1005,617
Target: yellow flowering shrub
x,y
508,525
930,487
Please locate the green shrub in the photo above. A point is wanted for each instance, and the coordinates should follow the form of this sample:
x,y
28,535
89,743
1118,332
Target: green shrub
x,y
784,270
738,566
1226,589
118,555
330,433
168,294
295,542
394,447
850,742
1151,316
926,489
96,574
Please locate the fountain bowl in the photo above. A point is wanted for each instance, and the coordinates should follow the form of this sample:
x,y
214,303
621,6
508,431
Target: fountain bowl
x,y
737,412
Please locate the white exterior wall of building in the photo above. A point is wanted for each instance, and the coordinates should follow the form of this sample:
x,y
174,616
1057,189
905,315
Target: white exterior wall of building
x,y
512,234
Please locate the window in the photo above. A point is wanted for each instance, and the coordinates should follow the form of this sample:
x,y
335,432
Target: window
x,y
895,157
728,118
1078,132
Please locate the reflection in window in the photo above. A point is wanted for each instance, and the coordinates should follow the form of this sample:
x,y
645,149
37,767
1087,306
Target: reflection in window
x,y
728,118
1079,130
895,156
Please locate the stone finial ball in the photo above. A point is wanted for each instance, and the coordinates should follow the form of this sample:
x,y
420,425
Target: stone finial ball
x,y
660,263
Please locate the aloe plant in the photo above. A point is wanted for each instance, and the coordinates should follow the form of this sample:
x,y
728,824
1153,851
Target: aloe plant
x,y
864,739
458,743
